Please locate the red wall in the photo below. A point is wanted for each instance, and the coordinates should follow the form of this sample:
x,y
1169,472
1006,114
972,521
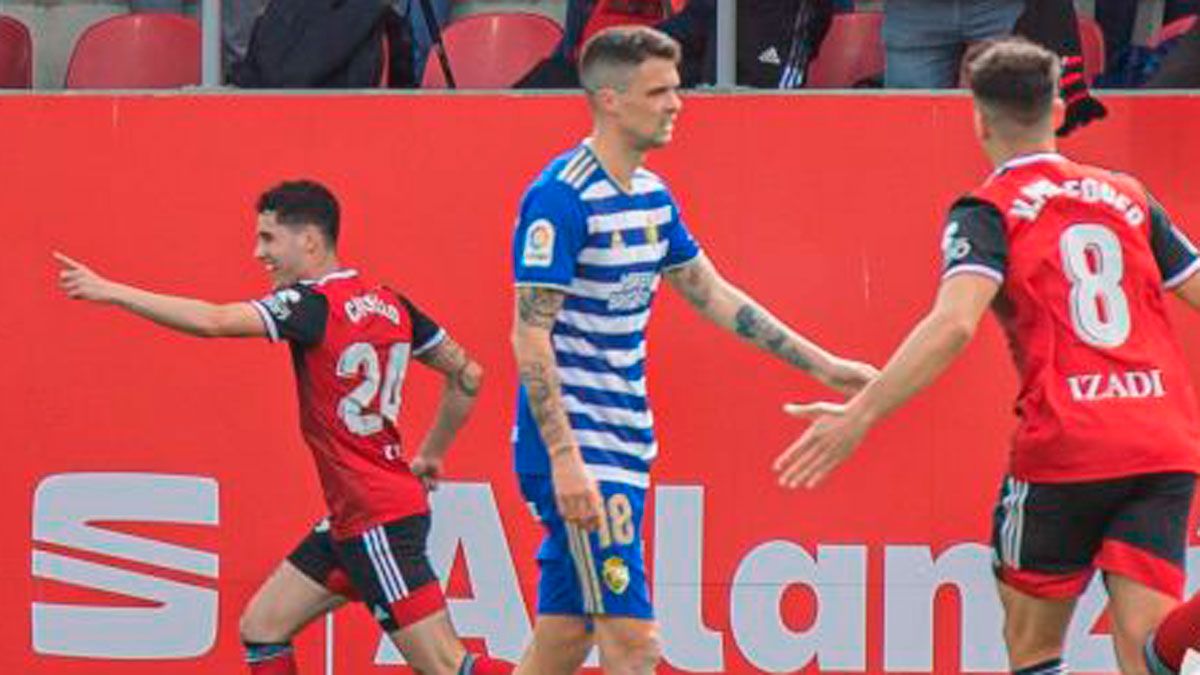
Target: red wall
x,y
827,209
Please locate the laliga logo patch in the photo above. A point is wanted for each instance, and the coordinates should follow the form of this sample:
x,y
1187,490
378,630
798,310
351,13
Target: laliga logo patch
x,y
955,247
280,303
539,244
616,575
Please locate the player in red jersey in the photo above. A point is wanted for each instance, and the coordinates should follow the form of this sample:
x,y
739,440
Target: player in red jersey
x,y
351,341
1076,262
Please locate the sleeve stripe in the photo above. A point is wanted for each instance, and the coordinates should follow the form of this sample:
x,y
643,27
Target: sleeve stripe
x,y
681,263
267,319
543,284
1182,276
981,270
437,339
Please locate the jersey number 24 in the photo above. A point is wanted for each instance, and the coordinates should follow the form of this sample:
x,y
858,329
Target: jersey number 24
x,y
361,360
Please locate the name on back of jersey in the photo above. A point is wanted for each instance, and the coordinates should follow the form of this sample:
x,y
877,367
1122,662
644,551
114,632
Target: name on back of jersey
x,y
1035,196
1127,384
369,304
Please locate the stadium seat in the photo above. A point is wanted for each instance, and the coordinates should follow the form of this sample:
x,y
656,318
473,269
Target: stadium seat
x,y
609,13
16,55
137,51
1173,30
851,52
492,51
1091,39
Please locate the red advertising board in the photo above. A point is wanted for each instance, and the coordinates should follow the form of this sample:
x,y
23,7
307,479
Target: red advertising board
x,y
153,480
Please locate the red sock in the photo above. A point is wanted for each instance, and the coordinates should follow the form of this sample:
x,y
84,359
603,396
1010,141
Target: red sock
x,y
486,665
1178,632
271,660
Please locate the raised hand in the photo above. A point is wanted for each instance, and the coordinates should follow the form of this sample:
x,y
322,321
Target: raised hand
x,y
79,282
830,440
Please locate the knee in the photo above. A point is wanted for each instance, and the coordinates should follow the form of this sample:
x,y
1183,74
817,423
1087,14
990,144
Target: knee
x,y
1030,640
257,626
637,652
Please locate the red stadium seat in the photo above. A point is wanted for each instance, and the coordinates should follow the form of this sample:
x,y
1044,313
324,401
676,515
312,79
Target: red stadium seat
x,y
609,13
851,52
16,55
137,51
1091,39
1173,30
492,51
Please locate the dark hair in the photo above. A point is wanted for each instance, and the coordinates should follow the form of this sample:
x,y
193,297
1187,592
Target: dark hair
x,y
1014,79
303,202
623,46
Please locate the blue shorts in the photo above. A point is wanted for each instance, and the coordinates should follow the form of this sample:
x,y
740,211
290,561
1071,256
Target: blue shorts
x,y
591,573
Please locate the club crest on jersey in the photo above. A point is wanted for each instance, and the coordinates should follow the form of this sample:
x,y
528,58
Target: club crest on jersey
x,y
616,575
539,244
279,303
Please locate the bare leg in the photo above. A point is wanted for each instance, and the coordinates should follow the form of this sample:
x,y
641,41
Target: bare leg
x,y
1034,628
628,646
285,603
559,646
1136,611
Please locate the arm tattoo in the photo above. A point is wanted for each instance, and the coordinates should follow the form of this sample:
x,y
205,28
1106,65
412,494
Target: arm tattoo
x,y
765,331
541,385
694,282
451,359
538,306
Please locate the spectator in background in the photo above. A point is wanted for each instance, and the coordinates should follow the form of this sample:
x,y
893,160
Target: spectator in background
x,y
422,40
926,39
1054,25
1117,18
1180,68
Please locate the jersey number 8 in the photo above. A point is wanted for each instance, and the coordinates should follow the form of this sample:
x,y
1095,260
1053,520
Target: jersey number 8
x,y
1091,258
361,360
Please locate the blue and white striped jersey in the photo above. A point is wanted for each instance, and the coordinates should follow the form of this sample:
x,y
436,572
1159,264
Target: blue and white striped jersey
x,y
580,233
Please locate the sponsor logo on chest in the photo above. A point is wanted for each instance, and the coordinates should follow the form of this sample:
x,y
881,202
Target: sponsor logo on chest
x,y
1127,384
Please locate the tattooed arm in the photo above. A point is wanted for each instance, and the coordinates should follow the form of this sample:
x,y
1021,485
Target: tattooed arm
x,y
727,306
463,377
575,491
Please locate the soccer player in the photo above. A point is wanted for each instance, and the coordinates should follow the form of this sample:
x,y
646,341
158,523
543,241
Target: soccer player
x,y
595,235
1077,262
351,340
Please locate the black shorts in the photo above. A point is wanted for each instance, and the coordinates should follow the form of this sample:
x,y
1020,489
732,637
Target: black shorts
x,y
385,567
1049,538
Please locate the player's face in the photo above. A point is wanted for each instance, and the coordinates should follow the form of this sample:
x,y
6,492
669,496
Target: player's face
x,y
281,249
647,109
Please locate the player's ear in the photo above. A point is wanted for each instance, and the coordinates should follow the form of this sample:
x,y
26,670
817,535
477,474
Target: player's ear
x,y
1058,113
981,127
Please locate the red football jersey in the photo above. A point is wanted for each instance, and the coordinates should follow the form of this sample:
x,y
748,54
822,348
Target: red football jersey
x,y
1083,256
351,344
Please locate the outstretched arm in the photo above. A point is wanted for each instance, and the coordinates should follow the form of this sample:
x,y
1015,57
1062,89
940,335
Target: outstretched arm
x,y
186,315
575,490
925,353
460,387
727,306
1189,291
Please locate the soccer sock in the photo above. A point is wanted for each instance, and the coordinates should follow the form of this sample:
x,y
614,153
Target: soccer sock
x,y
270,659
1053,24
477,664
1051,667
1178,632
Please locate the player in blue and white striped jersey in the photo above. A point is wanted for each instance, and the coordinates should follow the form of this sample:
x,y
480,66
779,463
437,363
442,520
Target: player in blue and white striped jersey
x,y
595,236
